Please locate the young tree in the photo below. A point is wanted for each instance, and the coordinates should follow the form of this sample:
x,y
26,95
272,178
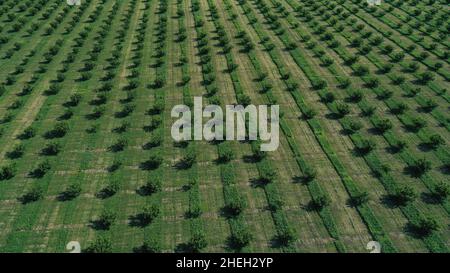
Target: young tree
x,y
404,195
7,172
151,245
102,244
107,218
34,194
198,241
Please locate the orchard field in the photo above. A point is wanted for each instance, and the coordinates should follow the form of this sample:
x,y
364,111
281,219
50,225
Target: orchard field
x,y
86,152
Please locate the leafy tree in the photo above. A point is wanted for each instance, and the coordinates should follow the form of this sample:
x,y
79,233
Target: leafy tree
x,y
154,161
151,245
52,148
73,191
28,133
198,241
441,191
16,152
435,141
420,167
226,154
7,172
149,213
153,185
426,225
34,194
383,125
309,174
404,195
321,201
102,244
41,169
107,218
267,175
360,199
